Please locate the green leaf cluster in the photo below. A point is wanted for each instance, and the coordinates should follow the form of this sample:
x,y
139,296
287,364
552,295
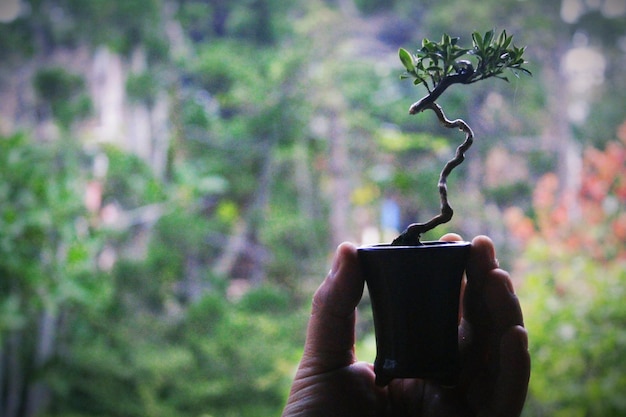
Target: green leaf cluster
x,y
495,54
434,62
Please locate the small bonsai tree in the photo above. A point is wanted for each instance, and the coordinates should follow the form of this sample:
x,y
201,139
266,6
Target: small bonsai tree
x,y
437,66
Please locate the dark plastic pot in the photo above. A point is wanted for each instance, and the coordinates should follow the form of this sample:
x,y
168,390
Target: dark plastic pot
x,y
415,293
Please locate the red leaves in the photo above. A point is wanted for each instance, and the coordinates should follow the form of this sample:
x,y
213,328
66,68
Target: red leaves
x,y
590,220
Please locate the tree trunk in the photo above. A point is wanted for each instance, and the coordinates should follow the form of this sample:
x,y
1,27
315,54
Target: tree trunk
x,y
305,183
2,376
242,241
558,132
37,395
340,182
14,380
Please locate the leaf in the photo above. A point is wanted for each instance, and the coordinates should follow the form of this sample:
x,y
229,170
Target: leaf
x,y
502,38
478,40
488,38
507,41
407,59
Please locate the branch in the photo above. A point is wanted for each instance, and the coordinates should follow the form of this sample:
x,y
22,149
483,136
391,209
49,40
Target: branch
x,y
465,73
411,236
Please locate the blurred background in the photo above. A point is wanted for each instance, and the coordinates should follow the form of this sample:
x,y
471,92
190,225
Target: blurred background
x,y
175,175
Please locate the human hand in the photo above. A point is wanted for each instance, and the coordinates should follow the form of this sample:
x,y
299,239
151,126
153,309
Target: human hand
x,y
493,347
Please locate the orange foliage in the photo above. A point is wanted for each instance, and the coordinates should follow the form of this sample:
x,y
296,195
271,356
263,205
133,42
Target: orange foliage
x,y
591,220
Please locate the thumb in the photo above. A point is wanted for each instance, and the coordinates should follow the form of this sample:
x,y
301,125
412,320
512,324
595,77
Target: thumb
x,y
330,333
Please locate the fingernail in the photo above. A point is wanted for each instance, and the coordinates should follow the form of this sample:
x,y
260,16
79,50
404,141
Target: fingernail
x,y
336,263
524,339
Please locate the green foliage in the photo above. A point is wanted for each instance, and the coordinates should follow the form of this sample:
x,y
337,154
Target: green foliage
x,y
130,182
180,239
251,113
48,258
217,357
266,299
292,256
121,25
224,77
374,6
142,88
63,92
16,40
506,195
48,249
575,317
496,54
435,62
392,140
259,22
55,84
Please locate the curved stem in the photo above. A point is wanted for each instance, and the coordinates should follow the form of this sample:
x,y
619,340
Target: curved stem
x,y
411,236
464,76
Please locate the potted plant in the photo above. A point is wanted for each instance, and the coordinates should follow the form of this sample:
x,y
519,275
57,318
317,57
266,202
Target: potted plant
x,y
415,286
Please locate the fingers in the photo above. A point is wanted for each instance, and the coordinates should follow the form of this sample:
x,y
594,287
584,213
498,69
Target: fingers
x,y
490,303
482,259
495,342
330,333
512,383
451,237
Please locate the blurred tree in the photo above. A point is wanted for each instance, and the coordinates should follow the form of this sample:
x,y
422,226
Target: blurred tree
x,y
61,96
260,22
47,261
121,25
572,292
594,225
223,354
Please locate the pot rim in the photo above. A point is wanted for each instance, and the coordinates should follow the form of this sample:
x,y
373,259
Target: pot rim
x,y
424,246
